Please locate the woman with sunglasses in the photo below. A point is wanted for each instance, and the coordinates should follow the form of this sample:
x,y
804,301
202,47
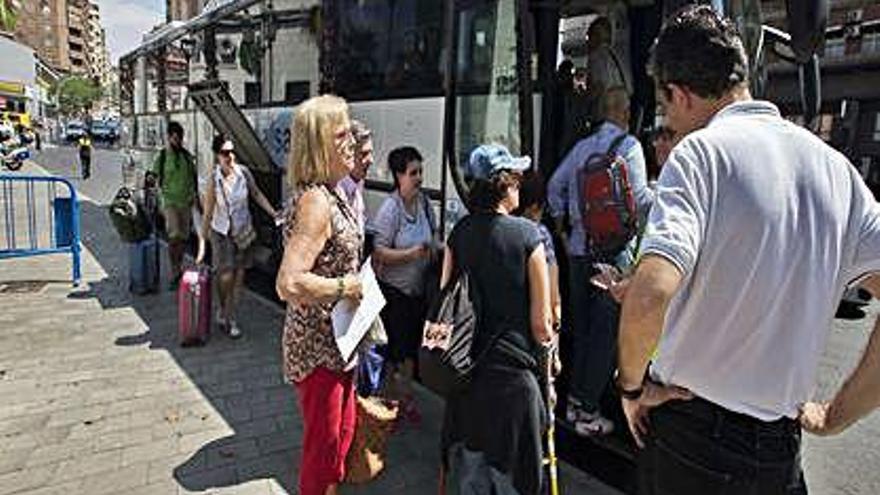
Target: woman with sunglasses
x,y
404,230
227,220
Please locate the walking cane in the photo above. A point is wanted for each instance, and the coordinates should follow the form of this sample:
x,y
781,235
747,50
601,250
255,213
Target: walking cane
x,y
550,460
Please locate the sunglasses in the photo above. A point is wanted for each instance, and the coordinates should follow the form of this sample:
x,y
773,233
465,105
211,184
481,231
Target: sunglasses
x,y
225,152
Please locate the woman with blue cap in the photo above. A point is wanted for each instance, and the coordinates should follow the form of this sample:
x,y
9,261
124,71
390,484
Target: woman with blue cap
x,y
503,256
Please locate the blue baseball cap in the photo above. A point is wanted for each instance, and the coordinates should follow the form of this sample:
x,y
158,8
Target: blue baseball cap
x,y
489,159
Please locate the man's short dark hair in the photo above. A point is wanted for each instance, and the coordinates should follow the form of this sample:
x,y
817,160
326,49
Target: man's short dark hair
x,y
175,128
399,158
701,51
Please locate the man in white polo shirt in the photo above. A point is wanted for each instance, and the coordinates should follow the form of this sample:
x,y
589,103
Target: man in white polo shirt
x,y
757,227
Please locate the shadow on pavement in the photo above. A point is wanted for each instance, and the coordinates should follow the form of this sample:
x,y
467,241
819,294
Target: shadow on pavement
x,y
242,382
241,379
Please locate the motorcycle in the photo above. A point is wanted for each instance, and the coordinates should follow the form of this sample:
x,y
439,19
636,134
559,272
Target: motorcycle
x,y
13,155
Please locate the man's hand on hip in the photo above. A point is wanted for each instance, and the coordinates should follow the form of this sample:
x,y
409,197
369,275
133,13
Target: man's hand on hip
x,y
653,395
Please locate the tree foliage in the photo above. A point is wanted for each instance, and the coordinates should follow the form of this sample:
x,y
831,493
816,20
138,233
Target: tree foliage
x,y
76,94
8,16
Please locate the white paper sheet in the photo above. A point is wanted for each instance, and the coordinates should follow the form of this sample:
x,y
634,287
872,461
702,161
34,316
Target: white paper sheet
x,y
351,320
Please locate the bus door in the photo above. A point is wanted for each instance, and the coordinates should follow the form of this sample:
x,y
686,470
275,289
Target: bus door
x,y
486,98
561,56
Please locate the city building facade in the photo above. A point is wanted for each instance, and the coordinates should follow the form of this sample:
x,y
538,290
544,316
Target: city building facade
x,y
182,10
67,35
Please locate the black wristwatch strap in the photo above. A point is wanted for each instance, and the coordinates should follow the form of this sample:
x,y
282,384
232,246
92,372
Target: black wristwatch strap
x,y
628,394
633,394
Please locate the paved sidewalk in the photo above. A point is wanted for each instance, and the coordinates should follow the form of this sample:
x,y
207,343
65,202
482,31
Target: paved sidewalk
x,y
97,397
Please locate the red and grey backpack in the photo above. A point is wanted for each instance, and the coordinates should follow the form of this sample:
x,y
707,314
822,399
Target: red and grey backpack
x,y
608,207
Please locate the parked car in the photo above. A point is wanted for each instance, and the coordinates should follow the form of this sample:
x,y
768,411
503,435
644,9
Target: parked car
x,y
104,132
73,131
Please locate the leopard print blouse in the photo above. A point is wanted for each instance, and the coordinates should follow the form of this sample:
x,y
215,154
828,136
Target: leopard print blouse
x,y
308,341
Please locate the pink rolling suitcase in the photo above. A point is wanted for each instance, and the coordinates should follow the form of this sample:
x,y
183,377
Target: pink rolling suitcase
x,y
194,306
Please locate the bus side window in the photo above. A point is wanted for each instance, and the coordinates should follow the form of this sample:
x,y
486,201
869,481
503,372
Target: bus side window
x,y
387,49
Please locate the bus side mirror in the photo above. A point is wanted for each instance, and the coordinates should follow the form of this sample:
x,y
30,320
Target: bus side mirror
x,y
807,20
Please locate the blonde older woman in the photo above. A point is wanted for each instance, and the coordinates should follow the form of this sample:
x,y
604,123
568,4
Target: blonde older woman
x,y
321,256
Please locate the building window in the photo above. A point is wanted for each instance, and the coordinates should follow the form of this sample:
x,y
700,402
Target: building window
x,y
876,133
296,92
835,48
871,43
252,93
388,49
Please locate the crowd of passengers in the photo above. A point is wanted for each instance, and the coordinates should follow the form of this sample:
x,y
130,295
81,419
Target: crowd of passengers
x,y
684,319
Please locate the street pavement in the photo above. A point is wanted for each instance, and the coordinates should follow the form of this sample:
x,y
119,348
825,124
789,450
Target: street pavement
x,y
99,398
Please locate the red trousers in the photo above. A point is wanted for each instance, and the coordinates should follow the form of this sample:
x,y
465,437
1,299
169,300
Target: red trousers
x,y
327,401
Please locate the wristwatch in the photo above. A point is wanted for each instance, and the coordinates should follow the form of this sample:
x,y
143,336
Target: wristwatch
x,y
631,393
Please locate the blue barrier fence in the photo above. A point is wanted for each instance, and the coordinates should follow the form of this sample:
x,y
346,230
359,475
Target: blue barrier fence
x,y
40,215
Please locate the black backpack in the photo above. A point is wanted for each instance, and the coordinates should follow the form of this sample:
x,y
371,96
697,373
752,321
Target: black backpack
x,y
129,217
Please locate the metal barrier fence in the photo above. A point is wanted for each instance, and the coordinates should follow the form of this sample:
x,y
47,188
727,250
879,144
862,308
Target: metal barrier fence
x,y
38,218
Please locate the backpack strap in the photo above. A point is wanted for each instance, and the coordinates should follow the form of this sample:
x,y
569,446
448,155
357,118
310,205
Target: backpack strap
x,y
194,171
619,68
162,167
249,179
612,149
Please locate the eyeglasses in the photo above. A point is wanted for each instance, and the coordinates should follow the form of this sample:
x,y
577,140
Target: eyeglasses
x,y
225,152
344,135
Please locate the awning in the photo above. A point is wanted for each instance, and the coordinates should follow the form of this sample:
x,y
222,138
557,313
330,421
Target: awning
x,y
176,30
11,88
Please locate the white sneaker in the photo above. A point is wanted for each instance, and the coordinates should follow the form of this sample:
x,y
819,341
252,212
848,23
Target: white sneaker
x,y
593,424
234,331
572,412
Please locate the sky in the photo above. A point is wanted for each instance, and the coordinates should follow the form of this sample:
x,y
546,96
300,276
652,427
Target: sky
x,y
126,21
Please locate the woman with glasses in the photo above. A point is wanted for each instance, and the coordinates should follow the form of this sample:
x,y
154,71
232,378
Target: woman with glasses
x,y
405,246
227,222
321,259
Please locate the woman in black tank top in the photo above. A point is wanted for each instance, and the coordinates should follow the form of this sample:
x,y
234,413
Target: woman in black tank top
x,y
504,258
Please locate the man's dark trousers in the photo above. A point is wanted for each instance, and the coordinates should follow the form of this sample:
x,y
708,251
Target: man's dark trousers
x,y
595,317
698,448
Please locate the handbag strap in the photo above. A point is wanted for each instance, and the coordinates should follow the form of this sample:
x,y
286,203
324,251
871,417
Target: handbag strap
x,y
225,200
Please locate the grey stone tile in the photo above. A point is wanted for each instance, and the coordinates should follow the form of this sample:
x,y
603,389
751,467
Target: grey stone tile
x,y
67,488
13,460
223,453
140,454
209,479
116,481
167,468
86,464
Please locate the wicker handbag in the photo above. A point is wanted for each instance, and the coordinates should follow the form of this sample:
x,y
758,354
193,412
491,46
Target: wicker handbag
x,y
375,422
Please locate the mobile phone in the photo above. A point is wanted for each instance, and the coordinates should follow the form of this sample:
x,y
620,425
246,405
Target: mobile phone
x,y
607,276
